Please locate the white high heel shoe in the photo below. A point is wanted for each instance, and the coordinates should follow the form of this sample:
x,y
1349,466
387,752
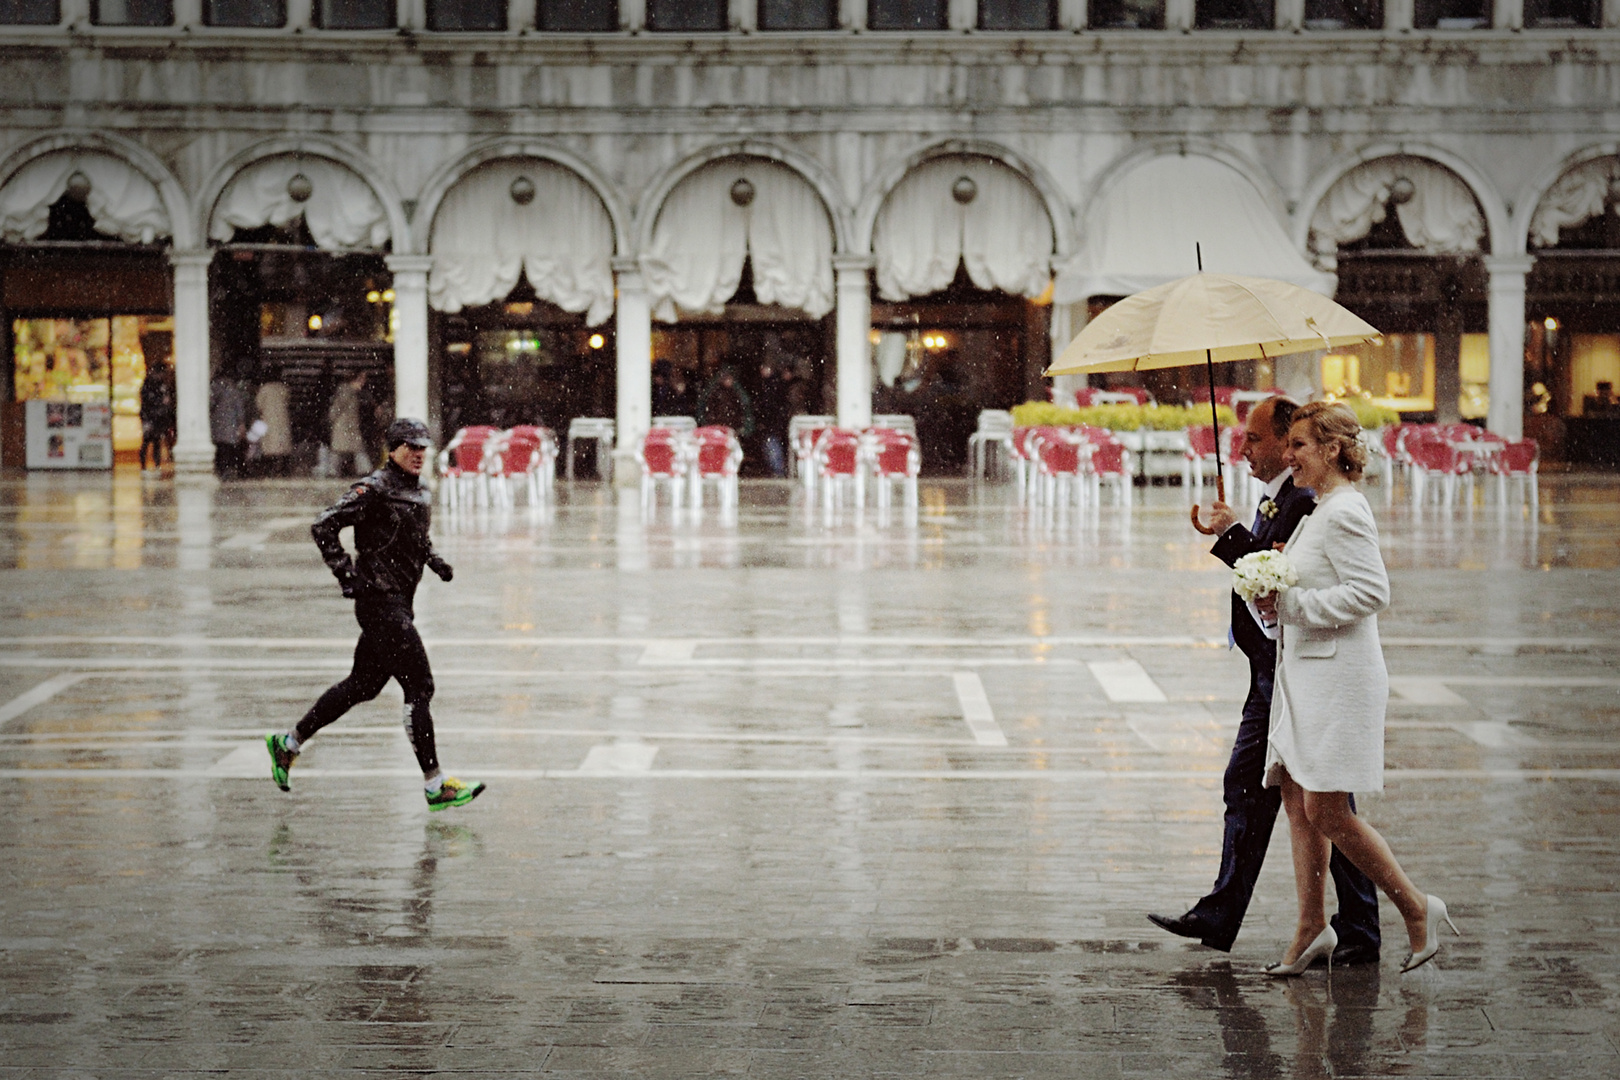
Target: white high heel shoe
x,y
1322,945
1431,943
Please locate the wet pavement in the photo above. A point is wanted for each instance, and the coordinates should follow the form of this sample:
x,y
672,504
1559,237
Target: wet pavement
x,y
783,796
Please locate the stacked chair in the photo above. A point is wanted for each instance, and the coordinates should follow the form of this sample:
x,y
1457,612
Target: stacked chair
x,y
836,465
684,458
892,457
484,466
665,455
717,458
463,479
994,433
1518,461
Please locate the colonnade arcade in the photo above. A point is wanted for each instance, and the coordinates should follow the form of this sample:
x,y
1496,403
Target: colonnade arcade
x,y
521,242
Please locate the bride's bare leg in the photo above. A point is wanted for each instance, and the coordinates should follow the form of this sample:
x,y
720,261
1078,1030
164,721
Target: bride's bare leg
x,y
1311,853
1329,812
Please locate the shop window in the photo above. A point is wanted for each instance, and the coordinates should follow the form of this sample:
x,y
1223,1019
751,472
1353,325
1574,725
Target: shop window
x,y
91,361
451,15
255,14
1344,14
1594,372
798,14
132,12
1452,14
578,16
1563,14
1017,14
1235,15
30,13
1125,15
1397,372
906,14
691,16
354,14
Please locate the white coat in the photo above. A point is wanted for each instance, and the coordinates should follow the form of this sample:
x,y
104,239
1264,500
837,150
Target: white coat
x,y
1327,710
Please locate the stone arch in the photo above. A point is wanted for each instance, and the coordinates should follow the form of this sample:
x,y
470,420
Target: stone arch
x,y
809,170
447,175
1491,205
399,227
889,178
1532,195
182,223
1122,166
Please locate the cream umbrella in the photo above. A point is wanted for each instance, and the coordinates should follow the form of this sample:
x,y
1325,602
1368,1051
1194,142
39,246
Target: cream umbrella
x,y
1210,317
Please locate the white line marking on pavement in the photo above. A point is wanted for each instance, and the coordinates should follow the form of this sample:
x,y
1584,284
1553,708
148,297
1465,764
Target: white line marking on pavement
x,y
1424,691
1207,776
618,759
256,537
38,695
672,651
1125,680
1495,734
981,719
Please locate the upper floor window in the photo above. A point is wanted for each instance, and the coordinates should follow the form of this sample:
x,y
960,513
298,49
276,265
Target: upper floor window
x,y
798,14
692,16
1125,15
1236,15
29,13
906,14
1451,14
466,14
132,12
250,13
577,16
1558,14
1344,14
353,14
1017,14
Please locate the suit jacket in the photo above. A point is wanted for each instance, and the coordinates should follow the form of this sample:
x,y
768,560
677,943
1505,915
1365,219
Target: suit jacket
x,y
1293,504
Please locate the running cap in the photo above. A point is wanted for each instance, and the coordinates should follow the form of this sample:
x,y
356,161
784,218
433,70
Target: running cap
x,y
408,431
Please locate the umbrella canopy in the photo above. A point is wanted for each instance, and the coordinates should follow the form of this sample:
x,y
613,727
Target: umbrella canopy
x,y
1210,317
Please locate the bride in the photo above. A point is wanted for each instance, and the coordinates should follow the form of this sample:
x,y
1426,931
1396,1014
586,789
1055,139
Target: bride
x,y
1327,715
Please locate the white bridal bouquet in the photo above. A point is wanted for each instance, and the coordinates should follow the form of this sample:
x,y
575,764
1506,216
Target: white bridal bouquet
x,y
1262,572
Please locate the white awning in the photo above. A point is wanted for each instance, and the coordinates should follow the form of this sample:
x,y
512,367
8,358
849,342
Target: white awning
x,y
336,203
1143,232
122,202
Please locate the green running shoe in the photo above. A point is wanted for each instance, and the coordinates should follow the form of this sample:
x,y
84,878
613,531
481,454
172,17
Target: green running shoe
x,y
453,793
281,759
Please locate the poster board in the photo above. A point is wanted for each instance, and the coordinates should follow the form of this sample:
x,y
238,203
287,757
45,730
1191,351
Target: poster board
x,y
69,435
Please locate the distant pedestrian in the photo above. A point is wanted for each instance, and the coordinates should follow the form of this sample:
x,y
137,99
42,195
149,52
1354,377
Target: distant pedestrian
x,y
390,512
726,404
771,414
228,424
157,412
348,438
276,443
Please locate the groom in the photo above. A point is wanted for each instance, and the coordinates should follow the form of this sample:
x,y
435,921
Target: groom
x,y
1251,809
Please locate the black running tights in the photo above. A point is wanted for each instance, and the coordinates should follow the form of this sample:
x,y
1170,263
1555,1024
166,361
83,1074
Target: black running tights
x,y
389,648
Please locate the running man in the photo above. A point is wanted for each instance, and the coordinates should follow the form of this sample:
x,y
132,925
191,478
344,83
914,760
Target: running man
x,y
389,511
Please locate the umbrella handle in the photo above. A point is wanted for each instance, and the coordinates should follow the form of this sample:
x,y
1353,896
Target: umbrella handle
x,y
1220,493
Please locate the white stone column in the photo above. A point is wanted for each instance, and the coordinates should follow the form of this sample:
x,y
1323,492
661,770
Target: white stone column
x,y
193,446
1290,14
75,12
1398,14
852,14
1611,13
633,357
962,14
1067,321
633,15
1178,14
1507,14
1072,14
1506,416
300,14
410,334
521,16
743,15
188,13
854,329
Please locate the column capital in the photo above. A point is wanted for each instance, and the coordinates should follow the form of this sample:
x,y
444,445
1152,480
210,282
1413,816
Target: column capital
x,y
1509,264
407,264
625,264
191,258
853,264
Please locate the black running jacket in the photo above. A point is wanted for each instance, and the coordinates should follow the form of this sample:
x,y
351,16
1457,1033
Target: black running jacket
x,y
390,512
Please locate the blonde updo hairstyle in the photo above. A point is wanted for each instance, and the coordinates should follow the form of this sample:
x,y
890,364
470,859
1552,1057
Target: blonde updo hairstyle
x,y
1333,424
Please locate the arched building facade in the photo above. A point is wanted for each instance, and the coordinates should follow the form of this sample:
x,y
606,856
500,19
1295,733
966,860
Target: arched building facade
x,y
545,215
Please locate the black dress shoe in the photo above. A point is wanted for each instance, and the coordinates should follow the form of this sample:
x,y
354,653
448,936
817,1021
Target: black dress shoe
x,y
1181,925
1355,954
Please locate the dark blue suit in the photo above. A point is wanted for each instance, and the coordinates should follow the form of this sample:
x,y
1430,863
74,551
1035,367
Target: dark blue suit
x,y
1251,809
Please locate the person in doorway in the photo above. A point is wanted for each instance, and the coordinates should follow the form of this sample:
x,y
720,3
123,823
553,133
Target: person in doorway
x,y
228,423
157,412
726,404
348,439
390,512
1251,807
275,444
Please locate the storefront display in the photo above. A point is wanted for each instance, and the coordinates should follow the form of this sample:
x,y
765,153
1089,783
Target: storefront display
x,y
69,435
90,361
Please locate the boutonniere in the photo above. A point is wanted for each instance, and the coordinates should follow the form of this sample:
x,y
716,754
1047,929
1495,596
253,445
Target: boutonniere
x,y
1268,508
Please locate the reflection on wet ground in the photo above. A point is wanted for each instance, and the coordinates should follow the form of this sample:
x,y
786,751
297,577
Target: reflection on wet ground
x,y
784,794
